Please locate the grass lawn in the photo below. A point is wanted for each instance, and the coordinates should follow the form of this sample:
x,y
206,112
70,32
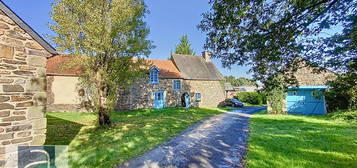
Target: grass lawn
x,y
287,141
254,105
132,133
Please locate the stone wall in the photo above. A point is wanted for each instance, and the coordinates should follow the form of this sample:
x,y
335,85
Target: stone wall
x,y
212,92
307,76
22,86
141,94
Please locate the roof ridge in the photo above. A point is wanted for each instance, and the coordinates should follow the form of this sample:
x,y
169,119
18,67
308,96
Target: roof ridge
x,y
186,55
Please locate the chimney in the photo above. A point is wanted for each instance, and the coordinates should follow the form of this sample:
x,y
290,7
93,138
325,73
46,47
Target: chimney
x,y
207,56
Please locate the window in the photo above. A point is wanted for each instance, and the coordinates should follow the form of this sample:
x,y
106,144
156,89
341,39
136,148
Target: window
x,y
198,96
154,76
294,93
177,84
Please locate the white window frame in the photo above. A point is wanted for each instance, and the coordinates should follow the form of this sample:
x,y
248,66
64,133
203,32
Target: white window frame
x,y
174,84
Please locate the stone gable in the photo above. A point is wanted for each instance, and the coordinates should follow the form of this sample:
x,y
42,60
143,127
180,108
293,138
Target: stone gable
x,y
22,86
309,76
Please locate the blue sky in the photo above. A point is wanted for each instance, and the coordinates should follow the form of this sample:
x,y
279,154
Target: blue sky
x,y
168,21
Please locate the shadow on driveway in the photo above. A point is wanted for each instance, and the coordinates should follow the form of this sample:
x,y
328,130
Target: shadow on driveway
x,y
219,141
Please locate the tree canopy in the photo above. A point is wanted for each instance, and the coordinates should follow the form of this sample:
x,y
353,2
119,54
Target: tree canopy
x,y
269,35
272,36
239,81
341,48
103,37
184,47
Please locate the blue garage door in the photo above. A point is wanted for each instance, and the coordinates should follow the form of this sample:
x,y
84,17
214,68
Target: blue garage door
x,y
305,102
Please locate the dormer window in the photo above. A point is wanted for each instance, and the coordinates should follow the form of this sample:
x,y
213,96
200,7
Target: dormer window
x,y
154,75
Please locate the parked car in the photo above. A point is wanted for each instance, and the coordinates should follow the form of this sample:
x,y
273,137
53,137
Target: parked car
x,y
232,103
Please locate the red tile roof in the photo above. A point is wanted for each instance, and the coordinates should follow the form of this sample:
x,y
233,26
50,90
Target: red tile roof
x,y
167,68
57,66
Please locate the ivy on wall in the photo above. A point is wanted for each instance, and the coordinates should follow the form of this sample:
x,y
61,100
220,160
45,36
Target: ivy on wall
x,y
276,94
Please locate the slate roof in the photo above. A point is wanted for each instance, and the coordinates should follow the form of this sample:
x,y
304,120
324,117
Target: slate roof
x,y
26,28
196,67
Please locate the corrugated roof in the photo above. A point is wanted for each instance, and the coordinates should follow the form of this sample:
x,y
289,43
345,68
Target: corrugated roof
x,y
196,67
26,28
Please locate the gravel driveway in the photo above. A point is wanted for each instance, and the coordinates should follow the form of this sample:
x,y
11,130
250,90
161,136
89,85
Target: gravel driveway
x,y
219,141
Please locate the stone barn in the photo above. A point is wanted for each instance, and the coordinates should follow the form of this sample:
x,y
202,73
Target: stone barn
x,y
308,98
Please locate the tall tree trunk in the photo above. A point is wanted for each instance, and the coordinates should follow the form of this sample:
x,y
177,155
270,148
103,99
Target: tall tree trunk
x,y
104,116
103,111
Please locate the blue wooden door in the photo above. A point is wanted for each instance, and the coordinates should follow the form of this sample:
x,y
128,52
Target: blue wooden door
x,y
187,100
295,102
305,102
159,100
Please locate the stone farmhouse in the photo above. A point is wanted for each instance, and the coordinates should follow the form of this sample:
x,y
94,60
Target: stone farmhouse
x,y
31,82
184,80
23,56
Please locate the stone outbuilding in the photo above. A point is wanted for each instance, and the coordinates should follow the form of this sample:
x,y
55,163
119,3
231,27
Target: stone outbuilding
x,y
308,97
23,55
184,80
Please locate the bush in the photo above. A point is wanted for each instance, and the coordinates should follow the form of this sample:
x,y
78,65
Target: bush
x,y
349,116
252,97
343,92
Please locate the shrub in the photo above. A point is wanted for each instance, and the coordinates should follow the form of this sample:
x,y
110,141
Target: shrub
x,y
349,116
252,97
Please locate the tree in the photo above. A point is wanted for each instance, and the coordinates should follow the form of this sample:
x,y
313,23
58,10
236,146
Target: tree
x,y
184,47
341,48
343,91
239,81
270,35
103,38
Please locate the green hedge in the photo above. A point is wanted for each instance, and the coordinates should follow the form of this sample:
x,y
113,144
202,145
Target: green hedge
x,y
252,97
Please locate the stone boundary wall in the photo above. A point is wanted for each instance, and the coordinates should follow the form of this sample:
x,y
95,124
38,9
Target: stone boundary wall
x,y
22,87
